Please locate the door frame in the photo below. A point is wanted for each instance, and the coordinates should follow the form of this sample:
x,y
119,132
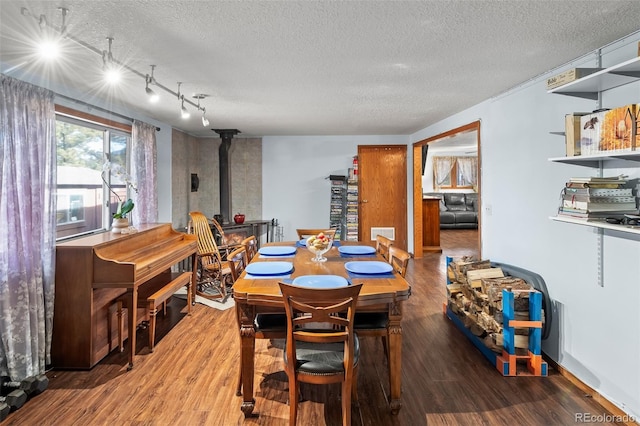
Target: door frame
x,y
417,184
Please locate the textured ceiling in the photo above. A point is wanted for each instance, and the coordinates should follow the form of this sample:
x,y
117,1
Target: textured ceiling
x,y
311,67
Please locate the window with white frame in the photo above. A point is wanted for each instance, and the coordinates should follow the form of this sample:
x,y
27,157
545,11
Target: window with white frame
x,y
84,203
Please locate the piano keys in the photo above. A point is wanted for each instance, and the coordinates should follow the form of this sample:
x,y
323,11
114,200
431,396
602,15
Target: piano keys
x,y
92,272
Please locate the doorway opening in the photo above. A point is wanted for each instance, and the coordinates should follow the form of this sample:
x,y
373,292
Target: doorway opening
x,y
464,139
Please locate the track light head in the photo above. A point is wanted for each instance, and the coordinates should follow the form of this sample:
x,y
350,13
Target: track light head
x,y
112,71
153,96
200,96
184,113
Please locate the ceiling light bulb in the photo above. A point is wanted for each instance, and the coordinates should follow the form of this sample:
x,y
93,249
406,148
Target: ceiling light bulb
x,y
153,96
49,50
205,122
112,75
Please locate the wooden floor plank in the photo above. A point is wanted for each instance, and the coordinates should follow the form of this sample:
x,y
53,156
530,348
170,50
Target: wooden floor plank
x,y
191,376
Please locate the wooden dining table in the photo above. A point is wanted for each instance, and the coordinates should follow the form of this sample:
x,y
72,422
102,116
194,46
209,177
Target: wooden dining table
x,y
254,295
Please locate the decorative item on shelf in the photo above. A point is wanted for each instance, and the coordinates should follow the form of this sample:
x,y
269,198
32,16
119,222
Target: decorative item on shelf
x,y
319,245
238,218
120,224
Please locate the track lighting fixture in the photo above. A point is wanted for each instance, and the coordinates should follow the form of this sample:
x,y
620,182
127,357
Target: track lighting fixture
x,y
49,44
183,111
63,27
112,68
149,79
205,121
42,21
199,96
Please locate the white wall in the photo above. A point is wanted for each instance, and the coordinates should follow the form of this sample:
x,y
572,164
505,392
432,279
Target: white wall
x,y
596,330
295,171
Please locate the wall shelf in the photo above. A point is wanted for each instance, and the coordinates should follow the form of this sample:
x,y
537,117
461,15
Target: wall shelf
x,y
589,86
597,224
596,159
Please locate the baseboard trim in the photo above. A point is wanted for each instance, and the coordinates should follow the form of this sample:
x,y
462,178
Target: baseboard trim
x,y
592,393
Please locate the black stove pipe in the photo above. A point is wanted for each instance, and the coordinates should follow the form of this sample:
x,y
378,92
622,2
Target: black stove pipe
x,y
225,172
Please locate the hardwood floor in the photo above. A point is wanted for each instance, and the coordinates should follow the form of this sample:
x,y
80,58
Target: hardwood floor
x,y
190,378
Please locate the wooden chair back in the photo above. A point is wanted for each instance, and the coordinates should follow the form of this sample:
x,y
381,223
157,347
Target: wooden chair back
x,y
214,273
237,262
322,317
399,259
208,252
382,245
307,232
251,244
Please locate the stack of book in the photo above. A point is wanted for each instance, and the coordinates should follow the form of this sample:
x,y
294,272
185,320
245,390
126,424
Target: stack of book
x,y
597,198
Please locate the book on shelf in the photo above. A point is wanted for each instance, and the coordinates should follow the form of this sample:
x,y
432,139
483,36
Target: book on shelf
x,y
601,192
593,185
566,211
595,179
597,182
586,198
600,206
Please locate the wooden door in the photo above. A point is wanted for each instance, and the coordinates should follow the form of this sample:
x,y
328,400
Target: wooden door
x,y
382,192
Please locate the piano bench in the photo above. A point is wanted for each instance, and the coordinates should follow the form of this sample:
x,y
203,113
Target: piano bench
x,y
160,297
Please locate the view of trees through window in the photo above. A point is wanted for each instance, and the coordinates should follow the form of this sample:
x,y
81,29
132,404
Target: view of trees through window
x,y
84,203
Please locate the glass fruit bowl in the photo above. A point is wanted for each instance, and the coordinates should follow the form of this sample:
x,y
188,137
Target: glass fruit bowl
x,y
319,245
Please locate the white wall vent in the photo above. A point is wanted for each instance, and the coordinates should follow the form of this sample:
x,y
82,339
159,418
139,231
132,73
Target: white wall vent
x,y
385,232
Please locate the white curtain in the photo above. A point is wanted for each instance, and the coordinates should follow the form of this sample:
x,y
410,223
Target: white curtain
x,y
442,168
468,166
28,227
143,172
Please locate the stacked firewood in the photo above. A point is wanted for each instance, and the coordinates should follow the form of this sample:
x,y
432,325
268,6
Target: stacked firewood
x,y
475,296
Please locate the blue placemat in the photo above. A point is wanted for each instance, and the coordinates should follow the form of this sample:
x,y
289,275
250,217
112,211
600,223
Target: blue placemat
x,y
270,268
277,251
357,255
368,276
282,277
354,250
276,256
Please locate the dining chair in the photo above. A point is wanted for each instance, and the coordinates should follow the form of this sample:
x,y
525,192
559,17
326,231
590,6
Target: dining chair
x,y
382,246
375,323
307,232
238,261
251,245
399,260
214,273
321,346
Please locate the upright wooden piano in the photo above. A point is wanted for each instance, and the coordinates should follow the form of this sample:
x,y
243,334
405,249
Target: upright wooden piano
x,y
92,272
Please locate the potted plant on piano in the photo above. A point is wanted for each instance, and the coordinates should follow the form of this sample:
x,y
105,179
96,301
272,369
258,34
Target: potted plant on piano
x,y
120,224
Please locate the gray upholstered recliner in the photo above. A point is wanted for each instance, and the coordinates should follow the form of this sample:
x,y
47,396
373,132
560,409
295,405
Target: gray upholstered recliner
x,y
457,209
